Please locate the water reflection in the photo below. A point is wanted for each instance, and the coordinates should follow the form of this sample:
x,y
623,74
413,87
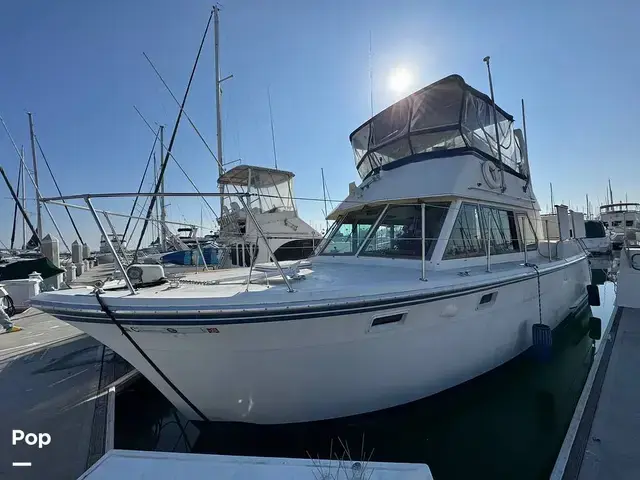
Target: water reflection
x,y
508,423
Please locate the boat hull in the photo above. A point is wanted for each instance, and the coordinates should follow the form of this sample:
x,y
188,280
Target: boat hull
x,y
337,365
597,246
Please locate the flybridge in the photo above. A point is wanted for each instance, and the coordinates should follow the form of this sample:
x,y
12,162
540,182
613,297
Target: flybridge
x,y
446,116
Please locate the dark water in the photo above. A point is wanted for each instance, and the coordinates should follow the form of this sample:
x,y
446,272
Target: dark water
x,y
508,423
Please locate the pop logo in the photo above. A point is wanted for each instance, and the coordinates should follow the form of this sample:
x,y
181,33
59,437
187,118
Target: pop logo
x,y
31,439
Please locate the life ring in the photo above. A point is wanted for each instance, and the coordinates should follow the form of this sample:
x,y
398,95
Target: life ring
x,y
491,174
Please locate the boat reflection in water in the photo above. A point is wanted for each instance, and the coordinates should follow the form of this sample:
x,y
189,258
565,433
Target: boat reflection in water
x,y
508,423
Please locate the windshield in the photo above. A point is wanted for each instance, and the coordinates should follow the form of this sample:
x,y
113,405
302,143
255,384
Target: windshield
x,y
264,198
353,229
443,116
594,229
397,235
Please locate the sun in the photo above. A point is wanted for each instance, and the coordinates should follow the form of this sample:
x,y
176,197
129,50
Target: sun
x,y
400,80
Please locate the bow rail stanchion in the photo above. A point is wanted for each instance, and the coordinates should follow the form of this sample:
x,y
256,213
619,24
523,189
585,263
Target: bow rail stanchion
x,y
110,245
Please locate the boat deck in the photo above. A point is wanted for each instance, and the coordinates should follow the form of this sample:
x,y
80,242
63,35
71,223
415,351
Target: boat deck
x,y
323,282
51,375
165,465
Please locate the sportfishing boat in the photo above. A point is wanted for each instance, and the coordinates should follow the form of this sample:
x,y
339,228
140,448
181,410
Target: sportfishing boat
x,y
434,272
268,193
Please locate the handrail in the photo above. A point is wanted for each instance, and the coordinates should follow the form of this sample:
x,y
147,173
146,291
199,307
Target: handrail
x,y
82,196
87,198
110,245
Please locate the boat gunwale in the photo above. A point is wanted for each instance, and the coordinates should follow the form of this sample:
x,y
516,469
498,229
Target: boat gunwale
x,y
190,317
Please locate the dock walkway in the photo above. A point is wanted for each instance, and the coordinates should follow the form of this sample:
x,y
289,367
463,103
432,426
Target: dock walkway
x,y
613,445
603,439
53,380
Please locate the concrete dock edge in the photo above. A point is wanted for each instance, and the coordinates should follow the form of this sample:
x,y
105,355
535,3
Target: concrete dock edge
x,y
569,460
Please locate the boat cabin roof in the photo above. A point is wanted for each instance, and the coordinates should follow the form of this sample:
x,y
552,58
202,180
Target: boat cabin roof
x,y
620,206
442,117
259,177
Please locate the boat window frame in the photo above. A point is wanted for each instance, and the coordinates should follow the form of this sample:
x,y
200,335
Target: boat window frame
x,y
329,234
445,205
530,247
489,230
484,230
481,227
323,247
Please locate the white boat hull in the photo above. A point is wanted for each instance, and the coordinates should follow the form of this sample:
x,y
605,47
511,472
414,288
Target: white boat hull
x,y
335,366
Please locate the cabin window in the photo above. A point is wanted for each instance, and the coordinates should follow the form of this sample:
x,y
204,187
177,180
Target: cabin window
x,y
504,234
629,223
399,234
528,233
466,238
616,224
348,237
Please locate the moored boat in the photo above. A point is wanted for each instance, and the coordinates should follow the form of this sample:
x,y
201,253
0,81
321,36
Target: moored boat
x,y
434,272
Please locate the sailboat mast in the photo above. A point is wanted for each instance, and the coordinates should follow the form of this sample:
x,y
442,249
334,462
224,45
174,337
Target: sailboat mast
x,y
587,199
17,200
553,207
273,134
216,30
154,225
24,198
163,207
15,212
35,176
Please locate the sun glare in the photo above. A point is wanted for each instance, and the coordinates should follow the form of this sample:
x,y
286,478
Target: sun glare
x,y
400,80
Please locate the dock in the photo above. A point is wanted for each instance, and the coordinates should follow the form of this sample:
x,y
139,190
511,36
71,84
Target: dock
x,y
54,380
604,434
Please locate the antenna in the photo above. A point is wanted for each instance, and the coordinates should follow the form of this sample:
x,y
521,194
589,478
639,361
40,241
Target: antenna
x,y
370,73
273,135
495,122
324,194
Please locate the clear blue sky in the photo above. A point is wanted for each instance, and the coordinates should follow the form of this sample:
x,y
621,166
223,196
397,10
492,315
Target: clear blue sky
x,y
78,66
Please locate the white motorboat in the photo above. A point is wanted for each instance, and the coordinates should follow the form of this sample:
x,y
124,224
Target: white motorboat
x,y
622,220
597,240
104,255
433,273
104,248
269,196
